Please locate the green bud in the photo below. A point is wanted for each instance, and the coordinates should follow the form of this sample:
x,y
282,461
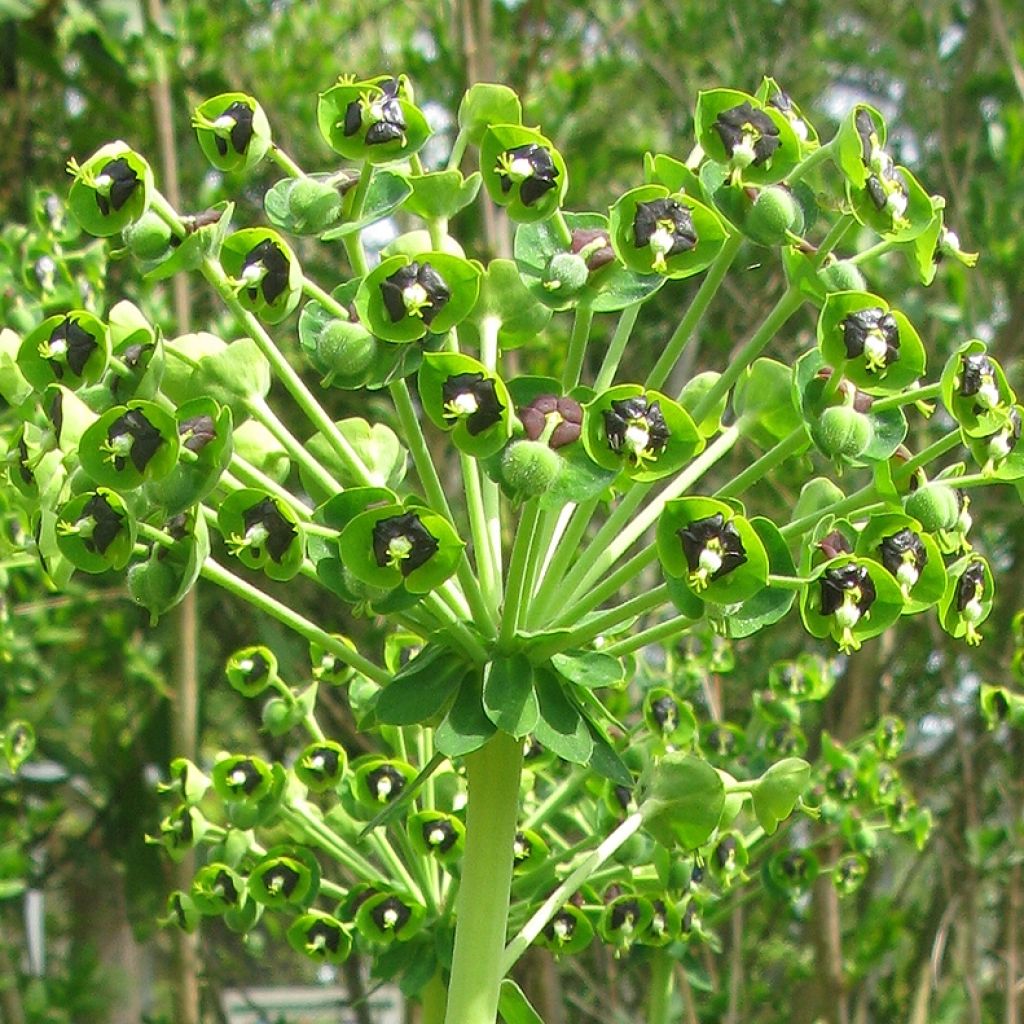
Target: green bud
x,y
566,274
842,276
314,202
529,468
843,433
344,352
774,212
148,238
934,506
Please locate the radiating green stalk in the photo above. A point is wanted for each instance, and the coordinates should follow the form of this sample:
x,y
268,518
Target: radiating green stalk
x,y
594,596
265,603
490,583
652,635
564,541
608,620
489,331
328,301
299,453
294,384
285,162
860,500
483,898
695,312
911,397
518,572
616,347
577,346
427,472
790,302
595,561
833,237
354,242
557,798
793,443
432,1000
305,818
556,900
809,162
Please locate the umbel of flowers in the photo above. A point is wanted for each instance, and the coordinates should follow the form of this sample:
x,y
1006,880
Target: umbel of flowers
x,y
576,521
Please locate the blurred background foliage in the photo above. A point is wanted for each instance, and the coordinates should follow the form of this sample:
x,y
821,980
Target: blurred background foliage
x,y
933,937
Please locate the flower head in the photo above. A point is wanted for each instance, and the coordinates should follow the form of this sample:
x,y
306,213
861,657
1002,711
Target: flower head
x,y
381,113
666,227
970,589
636,429
69,344
904,555
474,398
750,136
874,334
132,436
847,593
560,418
978,380
415,290
115,184
403,543
713,549
265,268
531,167
236,121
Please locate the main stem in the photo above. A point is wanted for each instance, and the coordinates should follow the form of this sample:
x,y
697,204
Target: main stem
x,y
483,899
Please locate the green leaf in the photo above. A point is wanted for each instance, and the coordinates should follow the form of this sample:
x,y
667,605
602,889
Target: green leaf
x,y
589,668
605,761
386,193
561,728
441,194
509,697
485,104
514,1007
422,688
466,727
684,799
777,791
505,298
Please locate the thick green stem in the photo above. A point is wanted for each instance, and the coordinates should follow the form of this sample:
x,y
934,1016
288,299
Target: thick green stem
x,y
695,313
483,898
659,1002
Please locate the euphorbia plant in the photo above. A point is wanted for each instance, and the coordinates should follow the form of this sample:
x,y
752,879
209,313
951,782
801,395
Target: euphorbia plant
x,y
517,578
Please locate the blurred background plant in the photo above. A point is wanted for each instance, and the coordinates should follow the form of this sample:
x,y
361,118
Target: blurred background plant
x,y
935,936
